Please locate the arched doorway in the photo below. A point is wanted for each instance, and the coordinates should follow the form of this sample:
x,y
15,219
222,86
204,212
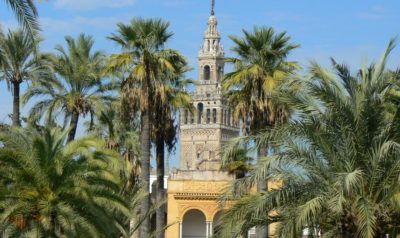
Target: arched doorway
x,y
194,224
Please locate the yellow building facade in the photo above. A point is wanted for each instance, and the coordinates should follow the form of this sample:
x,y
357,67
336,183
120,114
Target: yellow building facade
x,y
193,210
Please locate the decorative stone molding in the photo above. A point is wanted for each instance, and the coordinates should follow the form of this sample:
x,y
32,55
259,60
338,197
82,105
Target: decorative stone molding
x,y
197,196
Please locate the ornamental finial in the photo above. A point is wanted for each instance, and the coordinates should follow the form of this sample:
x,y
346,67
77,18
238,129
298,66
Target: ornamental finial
x,y
212,7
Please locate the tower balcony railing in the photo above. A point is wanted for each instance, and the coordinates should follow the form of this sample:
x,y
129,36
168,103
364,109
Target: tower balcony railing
x,y
207,82
201,97
200,175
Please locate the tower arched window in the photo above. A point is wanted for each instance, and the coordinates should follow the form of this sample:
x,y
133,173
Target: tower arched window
x,y
207,72
225,117
214,115
199,112
208,116
229,117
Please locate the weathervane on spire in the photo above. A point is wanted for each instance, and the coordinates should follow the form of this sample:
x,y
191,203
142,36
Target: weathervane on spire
x,y
212,7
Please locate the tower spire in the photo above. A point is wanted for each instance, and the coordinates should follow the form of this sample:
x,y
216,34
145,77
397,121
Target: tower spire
x,y
212,39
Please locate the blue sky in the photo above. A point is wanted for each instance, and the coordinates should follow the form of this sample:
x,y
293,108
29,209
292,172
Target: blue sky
x,y
348,30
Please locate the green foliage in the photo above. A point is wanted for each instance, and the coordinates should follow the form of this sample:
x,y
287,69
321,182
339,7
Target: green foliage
x,y
76,84
170,96
49,189
236,161
145,59
120,137
260,67
18,64
17,60
336,160
145,65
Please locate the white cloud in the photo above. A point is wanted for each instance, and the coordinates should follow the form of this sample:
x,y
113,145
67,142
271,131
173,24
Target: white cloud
x,y
80,23
55,29
92,4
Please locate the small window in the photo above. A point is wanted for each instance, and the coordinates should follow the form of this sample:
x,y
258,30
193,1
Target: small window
x,y
225,117
206,72
208,116
229,117
214,115
199,112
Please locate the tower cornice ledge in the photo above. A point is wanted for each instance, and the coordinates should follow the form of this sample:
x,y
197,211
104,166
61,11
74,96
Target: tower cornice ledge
x,y
210,56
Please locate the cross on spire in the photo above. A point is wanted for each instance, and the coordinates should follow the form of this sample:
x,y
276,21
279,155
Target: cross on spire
x,y
212,7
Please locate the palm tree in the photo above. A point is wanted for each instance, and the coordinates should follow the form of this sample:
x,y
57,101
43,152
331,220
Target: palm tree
x,y
170,97
337,162
236,161
18,64
52,189
119,136
26,14
260,67
145,61
76,87
122,136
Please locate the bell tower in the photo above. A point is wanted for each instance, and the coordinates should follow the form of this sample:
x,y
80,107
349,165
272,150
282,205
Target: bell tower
x,y
211,58
194,188
205,130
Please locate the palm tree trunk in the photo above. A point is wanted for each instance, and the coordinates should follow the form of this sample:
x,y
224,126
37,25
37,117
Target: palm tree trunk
x,y
160,213
16,105
73,125
145,157
145,171
262,231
